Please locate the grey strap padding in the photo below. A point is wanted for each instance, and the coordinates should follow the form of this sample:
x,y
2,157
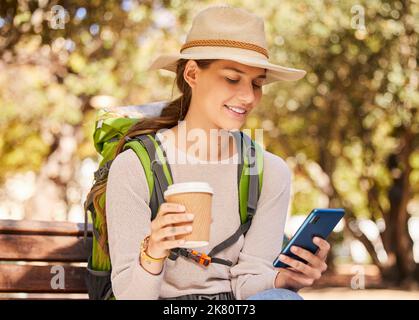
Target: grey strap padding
x,y
253,194
239,144
251,203
160,181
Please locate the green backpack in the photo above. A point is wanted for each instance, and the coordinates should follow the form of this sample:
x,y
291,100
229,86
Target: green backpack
x,y
110,128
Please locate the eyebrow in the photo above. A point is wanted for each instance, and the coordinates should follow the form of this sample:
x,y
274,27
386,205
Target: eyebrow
x,y
262,76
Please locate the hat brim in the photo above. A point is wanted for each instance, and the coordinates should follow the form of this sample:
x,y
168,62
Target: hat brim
x,y
274,72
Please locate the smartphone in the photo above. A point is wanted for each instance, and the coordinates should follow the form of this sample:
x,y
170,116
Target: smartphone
x,y
319,223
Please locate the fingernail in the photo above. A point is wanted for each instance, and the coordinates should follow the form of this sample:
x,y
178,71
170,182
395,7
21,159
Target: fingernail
x,y
282,257
294,249
188,228
181,207
190,216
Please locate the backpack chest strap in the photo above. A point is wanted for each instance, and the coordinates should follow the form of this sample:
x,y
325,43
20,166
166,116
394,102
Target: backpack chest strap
x,y
199,257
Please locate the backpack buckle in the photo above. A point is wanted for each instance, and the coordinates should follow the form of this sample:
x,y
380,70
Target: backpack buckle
x,y
103,171
200,257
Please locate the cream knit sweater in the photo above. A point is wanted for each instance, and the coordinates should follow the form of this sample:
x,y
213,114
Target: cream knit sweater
x,y
128,222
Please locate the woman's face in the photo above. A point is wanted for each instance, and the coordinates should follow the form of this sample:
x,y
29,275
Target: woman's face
x,y
225,93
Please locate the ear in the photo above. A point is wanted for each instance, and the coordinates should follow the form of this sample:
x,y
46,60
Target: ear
x,y
191,72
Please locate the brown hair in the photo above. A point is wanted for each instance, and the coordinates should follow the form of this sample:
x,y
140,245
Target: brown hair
x,y
175,111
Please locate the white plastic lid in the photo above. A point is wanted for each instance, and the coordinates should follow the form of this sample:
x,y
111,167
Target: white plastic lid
x,y
188,187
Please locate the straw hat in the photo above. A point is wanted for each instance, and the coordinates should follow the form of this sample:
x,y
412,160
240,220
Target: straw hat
x,y
225,32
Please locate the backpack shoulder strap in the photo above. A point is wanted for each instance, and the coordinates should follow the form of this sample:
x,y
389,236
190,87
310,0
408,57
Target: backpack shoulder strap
x,y
153,158
249,179
249,174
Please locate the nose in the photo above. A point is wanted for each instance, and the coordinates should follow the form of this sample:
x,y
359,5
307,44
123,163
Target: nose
x,y
246,93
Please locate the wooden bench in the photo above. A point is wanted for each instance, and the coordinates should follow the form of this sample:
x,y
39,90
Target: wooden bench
x,y
43,259
32,253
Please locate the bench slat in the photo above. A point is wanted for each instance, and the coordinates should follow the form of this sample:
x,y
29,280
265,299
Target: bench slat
x,y
42,296
37,279
44,248
43,227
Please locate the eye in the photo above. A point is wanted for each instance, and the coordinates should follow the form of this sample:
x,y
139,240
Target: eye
x,y
231,80
236,81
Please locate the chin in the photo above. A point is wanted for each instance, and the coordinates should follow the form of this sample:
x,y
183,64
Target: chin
x,y
231,126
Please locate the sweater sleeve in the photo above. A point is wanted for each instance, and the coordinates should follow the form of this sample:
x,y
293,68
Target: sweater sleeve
x,y
254,271
128,222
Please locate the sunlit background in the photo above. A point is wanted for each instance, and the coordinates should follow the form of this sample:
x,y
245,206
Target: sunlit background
x,y
348,130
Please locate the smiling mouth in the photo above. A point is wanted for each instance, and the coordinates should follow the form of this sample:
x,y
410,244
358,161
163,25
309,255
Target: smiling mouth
x,y
236,110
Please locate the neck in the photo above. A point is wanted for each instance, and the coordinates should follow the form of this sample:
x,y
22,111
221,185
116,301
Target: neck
x,y
203,141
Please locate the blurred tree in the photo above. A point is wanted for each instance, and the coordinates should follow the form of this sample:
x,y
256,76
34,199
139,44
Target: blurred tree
x,y
56,57
352,125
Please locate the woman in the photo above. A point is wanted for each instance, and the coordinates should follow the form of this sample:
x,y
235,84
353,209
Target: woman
x,y
220,72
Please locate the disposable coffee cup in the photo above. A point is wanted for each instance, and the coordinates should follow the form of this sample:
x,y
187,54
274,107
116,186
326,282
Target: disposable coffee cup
x,y
197,199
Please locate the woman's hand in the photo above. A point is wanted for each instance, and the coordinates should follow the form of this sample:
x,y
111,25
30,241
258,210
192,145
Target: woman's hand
x,y
302,275
166,226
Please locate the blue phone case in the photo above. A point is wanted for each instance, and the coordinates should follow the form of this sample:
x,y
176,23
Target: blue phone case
x,y
319,223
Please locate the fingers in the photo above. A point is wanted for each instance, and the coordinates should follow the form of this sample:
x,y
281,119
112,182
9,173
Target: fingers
x,y
172,231
324,247
171,221
312,259
305,269
175,218
165,209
